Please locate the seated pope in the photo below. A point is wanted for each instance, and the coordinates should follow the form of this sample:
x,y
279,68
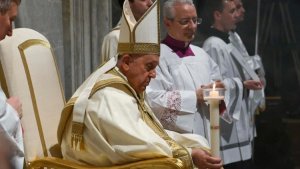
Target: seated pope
x,y
107,121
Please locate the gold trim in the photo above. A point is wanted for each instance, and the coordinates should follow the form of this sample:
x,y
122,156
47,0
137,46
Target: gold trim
x,y
3,81
22,47
214,127
71,102
139,48
105,83
157,163
158,22
77,136
65,115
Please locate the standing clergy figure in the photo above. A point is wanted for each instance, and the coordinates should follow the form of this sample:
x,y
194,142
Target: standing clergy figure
x,y
176,94
11,139
107,122
255,102
110,41
236,149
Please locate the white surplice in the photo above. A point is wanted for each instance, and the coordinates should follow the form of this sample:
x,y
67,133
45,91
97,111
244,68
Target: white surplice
x,y
11,137
254,61
236,137
172,94
115,132
257,98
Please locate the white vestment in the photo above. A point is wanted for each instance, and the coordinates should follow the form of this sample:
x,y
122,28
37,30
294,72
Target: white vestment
x,y
256,65
236,137
116,132
11,137
254,61
110,41
172,94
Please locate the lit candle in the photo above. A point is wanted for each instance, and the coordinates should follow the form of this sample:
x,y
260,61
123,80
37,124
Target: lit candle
x,y
213,94
213,100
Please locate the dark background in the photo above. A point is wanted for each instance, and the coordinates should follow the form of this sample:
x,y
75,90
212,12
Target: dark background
x,y
278,141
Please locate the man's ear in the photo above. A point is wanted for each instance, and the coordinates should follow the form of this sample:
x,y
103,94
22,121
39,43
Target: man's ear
x,y
167,23
125,61
217,15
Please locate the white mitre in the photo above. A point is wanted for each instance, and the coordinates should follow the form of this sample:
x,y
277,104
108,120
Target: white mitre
x,y
136,37
142,36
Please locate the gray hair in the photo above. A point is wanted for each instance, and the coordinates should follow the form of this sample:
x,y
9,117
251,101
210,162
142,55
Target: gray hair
x,y
168,9
5,5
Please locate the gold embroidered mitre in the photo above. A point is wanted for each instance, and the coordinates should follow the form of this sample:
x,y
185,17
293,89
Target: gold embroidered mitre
x,y
142,36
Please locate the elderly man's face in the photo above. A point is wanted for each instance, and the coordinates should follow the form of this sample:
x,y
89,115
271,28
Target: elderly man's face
x,y
240,10
7,19
139,71
139,7
184,24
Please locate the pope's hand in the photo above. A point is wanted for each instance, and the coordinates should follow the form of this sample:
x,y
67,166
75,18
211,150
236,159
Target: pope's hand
x,y
203,160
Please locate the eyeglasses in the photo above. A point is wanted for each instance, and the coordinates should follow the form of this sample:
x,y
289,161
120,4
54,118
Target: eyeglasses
x,y
186,21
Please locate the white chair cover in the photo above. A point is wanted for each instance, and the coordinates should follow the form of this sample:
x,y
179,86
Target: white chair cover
x,y
31,74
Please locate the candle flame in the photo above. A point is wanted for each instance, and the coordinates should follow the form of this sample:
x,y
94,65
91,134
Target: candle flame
x,y
214,86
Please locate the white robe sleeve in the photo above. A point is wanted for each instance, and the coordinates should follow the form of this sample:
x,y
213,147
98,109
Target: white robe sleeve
x,y
11,133
162,96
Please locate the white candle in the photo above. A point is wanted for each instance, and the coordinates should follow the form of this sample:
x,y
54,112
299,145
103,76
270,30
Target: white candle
x,y
214,127
214,121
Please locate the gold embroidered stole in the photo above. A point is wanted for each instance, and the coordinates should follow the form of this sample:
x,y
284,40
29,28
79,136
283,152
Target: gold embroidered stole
x,y
178,150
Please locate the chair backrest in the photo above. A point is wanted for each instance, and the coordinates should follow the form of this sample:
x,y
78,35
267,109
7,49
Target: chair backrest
x,y
30,73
